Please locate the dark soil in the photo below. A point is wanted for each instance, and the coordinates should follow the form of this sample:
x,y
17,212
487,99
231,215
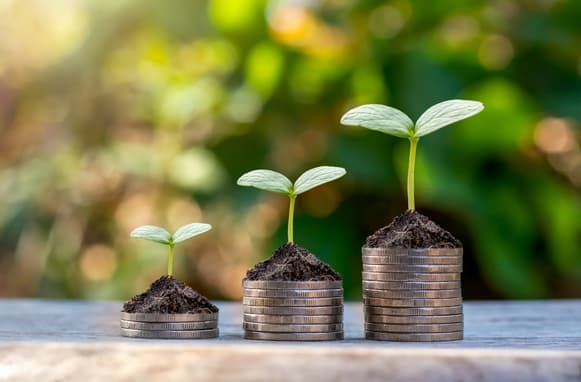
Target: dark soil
x,y
412,230
169,295
292,263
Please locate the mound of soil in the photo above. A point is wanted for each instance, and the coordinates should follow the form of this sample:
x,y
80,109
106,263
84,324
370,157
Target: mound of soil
x,y
292,263
169,295
412,230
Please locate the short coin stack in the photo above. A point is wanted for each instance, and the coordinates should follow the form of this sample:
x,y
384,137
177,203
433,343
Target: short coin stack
x,y
169,326
293,310
413,294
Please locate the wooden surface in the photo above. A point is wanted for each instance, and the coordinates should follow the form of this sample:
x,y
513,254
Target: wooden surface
x,y
63,340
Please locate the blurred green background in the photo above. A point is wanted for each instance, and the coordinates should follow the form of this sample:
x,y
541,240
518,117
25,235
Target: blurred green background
x,y
115,114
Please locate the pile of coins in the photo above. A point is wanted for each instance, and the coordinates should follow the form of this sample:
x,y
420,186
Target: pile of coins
x,y
169,326
293,310
413,294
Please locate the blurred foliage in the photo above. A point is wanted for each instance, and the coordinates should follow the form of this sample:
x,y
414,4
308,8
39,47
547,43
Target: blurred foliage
x,y
115,114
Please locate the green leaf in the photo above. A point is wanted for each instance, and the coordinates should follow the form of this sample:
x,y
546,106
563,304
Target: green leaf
x,y
152,233
266,180
317,176
382,118
445,113
190,230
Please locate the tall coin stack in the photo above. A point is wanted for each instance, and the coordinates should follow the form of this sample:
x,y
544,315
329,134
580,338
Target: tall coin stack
x,y
169,326
293,310
412,294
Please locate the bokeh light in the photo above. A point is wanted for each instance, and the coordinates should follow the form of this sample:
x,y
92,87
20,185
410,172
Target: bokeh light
x,y
118,114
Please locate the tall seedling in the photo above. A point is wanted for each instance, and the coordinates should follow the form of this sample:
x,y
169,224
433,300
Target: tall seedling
x,y
392,121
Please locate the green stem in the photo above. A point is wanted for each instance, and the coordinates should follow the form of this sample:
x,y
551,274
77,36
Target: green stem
x,y
170,260
291,212
411,169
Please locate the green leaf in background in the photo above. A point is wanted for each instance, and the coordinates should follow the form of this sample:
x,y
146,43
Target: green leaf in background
x,y
190,230
152,233
266,180
316,177
382,118
444,114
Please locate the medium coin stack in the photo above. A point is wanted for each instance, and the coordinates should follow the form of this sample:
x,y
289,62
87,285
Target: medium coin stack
x,y
413,294
169,326
293,310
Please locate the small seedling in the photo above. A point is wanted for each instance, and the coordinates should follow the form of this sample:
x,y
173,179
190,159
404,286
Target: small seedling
x,y
392,121
160,235
276,182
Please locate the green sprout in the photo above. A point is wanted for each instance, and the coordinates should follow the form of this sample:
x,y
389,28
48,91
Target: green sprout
x,y
392,121
160,235
276,182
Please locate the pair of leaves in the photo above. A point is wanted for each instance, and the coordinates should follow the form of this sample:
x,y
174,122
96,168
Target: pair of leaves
x,y
160,235
276,182
392,121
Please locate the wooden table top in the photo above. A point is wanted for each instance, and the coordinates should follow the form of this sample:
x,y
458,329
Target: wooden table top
x,y
52,340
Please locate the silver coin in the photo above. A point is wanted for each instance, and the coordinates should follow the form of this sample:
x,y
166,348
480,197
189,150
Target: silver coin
x,y
382,319
163,317
296,293
412,251
194,325
413,260
396,268
409,285
387,311
266,336
257,301
410,276
387,293
260,284
414,328
412,302
170,334
286,311
294,328
291,319
414,337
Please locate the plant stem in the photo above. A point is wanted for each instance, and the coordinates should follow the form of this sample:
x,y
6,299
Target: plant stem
x,y
411,169
291,212
170,260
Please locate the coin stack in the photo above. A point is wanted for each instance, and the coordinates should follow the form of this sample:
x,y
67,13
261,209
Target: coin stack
x,y
293,310
169,326
413,294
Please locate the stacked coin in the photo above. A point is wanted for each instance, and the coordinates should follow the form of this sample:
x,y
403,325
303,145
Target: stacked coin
x,y
293,310
169,326
412,294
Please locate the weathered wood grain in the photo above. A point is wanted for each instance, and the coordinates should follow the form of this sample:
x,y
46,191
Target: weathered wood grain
x,y
64,340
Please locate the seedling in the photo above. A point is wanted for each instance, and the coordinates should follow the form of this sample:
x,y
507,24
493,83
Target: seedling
x,y
276,182
160,235
392,121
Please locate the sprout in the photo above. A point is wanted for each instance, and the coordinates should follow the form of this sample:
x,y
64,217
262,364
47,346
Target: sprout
x,y
391,121
160,235
275,182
